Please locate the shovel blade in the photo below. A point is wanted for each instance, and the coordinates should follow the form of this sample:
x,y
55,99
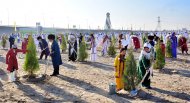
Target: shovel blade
x,y
134,93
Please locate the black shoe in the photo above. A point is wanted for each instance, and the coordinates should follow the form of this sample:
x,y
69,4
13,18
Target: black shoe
x,y
149,87
53,75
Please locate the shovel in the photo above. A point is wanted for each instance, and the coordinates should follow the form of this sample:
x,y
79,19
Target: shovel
x,y
134,92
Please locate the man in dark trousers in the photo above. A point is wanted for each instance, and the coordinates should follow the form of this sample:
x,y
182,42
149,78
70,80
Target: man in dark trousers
x,y
55,54
11,41
80,38
44,47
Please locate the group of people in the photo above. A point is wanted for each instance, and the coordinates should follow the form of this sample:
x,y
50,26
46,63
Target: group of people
x,y
52,49
94,40
53,52
147,56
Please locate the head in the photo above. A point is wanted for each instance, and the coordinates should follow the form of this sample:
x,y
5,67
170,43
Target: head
x,y
39,38
92,35
120,36
51,37
161,41
147,47
173,34
123,51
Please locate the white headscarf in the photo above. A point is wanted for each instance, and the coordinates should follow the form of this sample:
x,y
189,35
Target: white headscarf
x,y
144,53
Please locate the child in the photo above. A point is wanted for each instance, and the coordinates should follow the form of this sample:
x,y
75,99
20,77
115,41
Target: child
x,y
119,65
11,61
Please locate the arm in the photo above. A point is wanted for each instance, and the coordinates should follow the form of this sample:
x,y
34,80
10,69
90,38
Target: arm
x,y
145,63
116,64
54,49
20,50
7,57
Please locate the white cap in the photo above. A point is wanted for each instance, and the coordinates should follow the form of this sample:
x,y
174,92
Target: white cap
x,y
147,45
151,34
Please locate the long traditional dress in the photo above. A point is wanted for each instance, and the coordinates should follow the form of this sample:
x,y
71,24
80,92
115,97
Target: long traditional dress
x,y
183,44
174,45
104,45
143,65
93,54
72,48
163,47
119,65
136,42
24,44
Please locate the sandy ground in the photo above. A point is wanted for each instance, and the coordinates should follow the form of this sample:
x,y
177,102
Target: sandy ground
x,y
89,82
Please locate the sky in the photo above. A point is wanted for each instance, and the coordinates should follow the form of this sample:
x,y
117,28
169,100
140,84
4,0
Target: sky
x,y
126,14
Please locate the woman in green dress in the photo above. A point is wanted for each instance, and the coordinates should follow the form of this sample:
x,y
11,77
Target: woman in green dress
x,y
144,65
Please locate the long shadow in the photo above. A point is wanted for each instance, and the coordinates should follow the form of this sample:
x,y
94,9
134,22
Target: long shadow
x,y
185,73
58,92
2,59
100,65
180,53
3,75
178,60
45,62
68,66
1,86
89,87
182,96
64,64
146,96
30,92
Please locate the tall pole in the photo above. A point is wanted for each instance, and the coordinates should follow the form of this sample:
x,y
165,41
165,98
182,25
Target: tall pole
x,y
158,28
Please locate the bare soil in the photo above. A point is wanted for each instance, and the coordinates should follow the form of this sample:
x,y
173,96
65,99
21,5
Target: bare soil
x,y
89,82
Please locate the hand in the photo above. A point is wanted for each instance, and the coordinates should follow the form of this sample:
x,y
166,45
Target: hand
x,y
8,71
147,70
117,77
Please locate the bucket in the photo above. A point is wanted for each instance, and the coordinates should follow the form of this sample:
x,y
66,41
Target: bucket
x,y
112,88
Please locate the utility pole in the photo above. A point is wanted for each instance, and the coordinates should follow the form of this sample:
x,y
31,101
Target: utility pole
x,y
158,28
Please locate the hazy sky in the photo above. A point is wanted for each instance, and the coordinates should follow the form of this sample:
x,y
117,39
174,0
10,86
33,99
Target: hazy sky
x,y
84,13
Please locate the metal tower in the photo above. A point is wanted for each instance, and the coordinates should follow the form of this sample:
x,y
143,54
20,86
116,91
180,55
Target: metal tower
x,y
158,27
108,22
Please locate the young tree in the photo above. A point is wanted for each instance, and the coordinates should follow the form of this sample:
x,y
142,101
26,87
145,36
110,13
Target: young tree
x,y
161,37
111,48
82,51
169,49
144,39
31,62
63,44
160,58
130,73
